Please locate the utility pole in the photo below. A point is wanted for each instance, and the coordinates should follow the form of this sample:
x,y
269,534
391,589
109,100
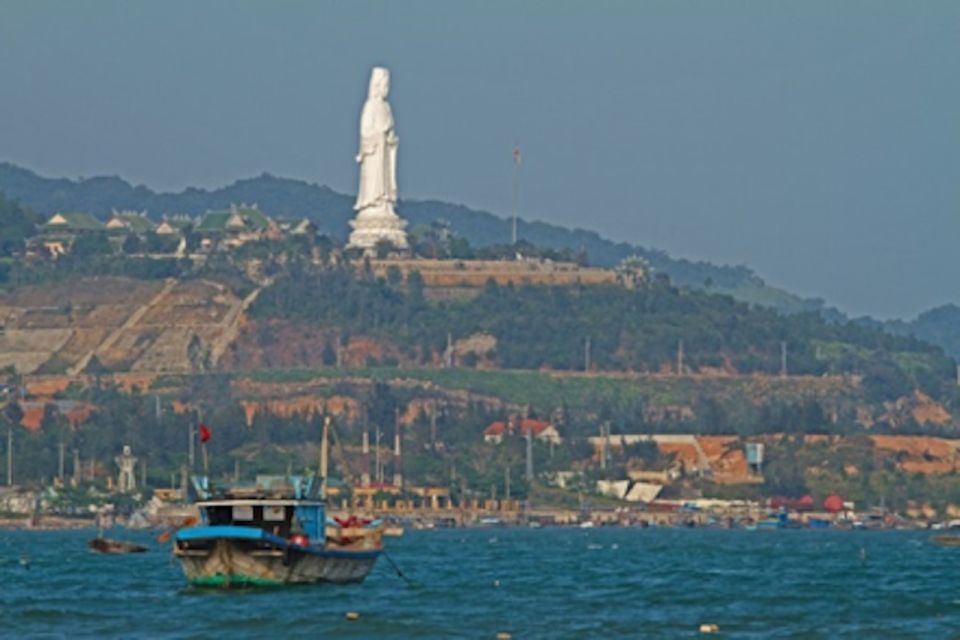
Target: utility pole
x,y
184,480
191,453
365,475
680,358
433,425
783,358
323,457
78,470
143,474
529,435
397,454
376,457
586,355
506,481
604,433
9,456
60,461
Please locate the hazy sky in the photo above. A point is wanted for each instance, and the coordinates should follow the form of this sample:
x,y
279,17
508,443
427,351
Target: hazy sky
x,y
818,142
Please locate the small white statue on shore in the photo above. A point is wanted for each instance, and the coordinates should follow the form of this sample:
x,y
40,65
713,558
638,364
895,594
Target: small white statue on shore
x,y
376,219
126,479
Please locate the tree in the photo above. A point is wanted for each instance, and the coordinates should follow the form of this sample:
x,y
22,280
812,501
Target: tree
x,y
16,225
131,244
198,354
192,238
329,354
13,413
383,249
394,275
156,243
88,245
97,369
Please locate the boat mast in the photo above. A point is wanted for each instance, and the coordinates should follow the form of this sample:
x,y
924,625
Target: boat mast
x,y
324,457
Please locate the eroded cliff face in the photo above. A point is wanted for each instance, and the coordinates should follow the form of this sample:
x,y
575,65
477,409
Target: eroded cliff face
x,y
116,324
291,344
919,408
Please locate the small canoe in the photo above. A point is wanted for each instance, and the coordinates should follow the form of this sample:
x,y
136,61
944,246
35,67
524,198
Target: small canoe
x,y
946,541
106,545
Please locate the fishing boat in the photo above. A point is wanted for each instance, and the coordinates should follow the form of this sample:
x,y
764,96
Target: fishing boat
x,y
269,537
275,533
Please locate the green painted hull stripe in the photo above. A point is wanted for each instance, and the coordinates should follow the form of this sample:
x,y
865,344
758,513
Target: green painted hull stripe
x,y
221,580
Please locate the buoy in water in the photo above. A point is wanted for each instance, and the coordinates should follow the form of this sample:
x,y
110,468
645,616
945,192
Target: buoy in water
x,y
352,615
503,635
709,628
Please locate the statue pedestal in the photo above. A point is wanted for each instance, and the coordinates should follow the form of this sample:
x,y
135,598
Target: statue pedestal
x,y
376,224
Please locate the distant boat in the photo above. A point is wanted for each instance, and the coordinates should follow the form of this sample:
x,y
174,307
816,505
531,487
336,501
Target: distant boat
x,y
106,545
946,541
768,523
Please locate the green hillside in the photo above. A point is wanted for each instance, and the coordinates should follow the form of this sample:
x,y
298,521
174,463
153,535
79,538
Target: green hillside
x,y
539,327
940,326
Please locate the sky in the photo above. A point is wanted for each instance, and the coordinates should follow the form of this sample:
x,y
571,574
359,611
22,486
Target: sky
x,y
816,142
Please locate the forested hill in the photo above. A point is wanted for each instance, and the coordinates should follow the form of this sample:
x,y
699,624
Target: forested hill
x,y
628,330
939,326
282,197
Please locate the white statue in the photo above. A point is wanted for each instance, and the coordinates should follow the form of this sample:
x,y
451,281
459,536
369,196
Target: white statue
x,y
126,480
377,194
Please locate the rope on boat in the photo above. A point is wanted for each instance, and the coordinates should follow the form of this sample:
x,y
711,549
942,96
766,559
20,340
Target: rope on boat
x,y
400,573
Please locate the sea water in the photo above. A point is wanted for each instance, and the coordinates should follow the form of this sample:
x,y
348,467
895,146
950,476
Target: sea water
x,y
530,583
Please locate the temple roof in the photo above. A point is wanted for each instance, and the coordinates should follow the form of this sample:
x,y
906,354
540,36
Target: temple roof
x,y
133,221
238,218
76,221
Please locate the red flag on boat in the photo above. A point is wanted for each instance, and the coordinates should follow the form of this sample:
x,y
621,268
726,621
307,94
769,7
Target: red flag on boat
x,y
204,433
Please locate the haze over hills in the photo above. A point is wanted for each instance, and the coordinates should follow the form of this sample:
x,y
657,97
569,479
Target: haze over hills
x,y
939,326
331,211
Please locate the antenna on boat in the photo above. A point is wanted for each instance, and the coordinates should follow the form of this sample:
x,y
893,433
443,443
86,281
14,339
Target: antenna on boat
x,y
324,457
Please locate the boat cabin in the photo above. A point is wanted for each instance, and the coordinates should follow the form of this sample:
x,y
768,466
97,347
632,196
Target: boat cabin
x,y
283,518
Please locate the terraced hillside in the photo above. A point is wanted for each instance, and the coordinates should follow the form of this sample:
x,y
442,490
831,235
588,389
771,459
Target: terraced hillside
x,y
127,325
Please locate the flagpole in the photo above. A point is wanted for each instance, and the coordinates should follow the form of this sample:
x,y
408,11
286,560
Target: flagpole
x,y
204,432
516,189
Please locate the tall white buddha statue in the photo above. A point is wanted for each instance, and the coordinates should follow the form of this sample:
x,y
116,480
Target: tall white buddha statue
x,y
376,220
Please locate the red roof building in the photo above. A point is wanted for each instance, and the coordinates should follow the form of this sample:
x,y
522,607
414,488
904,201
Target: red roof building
x,y
538,428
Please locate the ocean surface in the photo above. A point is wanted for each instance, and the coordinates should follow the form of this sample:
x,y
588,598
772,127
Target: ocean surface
x,y
543,583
